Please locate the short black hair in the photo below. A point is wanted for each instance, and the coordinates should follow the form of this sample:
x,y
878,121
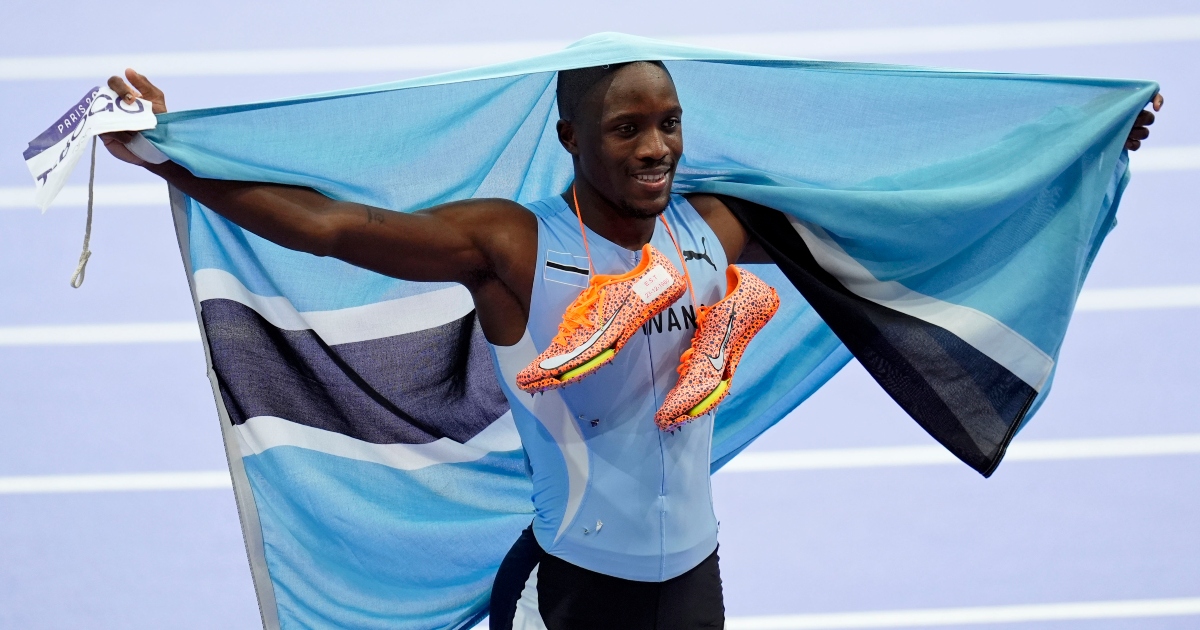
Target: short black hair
x,y
574,84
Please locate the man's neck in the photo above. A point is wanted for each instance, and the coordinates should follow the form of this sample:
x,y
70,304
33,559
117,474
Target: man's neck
x,y
609,221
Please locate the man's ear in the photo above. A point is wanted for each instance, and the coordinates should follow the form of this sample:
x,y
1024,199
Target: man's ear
x,y
566,137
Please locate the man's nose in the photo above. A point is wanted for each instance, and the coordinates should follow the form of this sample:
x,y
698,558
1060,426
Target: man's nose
x,y
653,146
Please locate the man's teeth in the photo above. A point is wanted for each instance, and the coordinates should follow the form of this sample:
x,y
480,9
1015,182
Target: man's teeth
x,y
651,179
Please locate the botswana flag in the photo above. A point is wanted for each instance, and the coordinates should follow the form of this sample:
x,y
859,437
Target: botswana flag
x,y
937,226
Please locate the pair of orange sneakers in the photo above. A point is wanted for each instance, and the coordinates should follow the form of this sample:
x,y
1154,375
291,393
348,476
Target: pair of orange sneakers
x,y
612,309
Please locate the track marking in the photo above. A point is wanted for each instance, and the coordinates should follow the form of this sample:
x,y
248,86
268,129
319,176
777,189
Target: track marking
x,y
1033,450
932,455
116,482
932,617
21,197
1139,298
86,334
804,44
1153,159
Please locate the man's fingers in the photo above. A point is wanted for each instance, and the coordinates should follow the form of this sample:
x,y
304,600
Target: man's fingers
x,y
1157,103
140,82
1144,119
118,85
117,136
149,91
1139,133
1132,145
115,143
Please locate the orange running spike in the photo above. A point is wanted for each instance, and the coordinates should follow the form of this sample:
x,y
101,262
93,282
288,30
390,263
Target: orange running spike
x,y
599,322
723,331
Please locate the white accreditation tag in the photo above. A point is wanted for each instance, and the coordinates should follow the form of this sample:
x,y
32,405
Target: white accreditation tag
x,y
52,155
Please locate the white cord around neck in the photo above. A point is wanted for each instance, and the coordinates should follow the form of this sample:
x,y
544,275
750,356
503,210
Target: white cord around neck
x,y
77,277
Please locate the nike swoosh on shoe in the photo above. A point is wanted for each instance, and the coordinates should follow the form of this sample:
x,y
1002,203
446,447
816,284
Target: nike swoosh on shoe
x,y
718,362
553,363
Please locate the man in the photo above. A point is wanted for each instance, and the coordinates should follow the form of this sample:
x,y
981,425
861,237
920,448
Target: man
x,y
624,534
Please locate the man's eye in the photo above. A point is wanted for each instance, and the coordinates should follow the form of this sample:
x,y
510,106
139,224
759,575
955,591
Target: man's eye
x,y
626,129
671,123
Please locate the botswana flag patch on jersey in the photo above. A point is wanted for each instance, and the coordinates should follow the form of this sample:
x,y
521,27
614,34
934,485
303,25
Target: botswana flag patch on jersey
x,y
566,268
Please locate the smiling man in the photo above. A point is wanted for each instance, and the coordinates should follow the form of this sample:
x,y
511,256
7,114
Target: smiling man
x,y
629,541
624,534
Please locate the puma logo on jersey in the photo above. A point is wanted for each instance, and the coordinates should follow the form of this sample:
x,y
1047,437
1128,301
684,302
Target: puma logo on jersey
x,y
691,255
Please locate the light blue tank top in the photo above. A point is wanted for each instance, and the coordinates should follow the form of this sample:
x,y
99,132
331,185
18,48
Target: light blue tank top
x,y
611,492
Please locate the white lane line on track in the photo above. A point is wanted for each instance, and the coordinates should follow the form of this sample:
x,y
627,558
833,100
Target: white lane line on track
x,y
116,482
1150,159
804,44
1153,159
86,334
21,197
1139,298
831,459
933,617
934,454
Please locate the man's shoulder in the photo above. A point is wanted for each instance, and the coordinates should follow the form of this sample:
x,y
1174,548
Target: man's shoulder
x,y
488,218
486,209
705,204
547,205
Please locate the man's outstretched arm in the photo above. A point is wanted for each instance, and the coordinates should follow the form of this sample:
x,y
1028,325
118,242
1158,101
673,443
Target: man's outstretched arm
x,y
488,245
445,243
451,242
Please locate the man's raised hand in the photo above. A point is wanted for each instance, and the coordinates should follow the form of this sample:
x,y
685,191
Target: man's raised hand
x,y
141,88
1140,124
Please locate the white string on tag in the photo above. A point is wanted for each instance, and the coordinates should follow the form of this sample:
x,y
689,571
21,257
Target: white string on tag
x,y
81,269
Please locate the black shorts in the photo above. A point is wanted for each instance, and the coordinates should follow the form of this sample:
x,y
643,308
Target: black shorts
x,y
535,590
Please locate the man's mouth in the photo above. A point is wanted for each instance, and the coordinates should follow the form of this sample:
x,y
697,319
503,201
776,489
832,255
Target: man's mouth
x,y
653,180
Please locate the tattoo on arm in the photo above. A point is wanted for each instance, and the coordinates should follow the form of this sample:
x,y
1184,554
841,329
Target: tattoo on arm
x,y
374,216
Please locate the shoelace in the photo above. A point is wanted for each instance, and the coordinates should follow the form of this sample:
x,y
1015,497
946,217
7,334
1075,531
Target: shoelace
x,y
577,315
685,358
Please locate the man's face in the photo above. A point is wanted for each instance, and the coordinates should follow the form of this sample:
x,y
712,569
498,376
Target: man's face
x,y
629,137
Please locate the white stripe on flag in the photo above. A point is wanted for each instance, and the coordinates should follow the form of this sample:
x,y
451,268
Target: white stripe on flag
x,y
115,482
344,325
1026,613
804,44
934,454
262,433
983,332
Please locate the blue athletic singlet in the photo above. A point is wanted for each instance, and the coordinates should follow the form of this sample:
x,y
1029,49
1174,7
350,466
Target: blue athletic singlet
x,y
612,493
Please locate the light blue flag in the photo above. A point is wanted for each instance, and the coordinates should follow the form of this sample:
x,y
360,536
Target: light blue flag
x,y
942,222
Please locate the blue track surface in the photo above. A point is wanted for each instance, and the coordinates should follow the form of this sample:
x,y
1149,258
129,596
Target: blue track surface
x,y
792,542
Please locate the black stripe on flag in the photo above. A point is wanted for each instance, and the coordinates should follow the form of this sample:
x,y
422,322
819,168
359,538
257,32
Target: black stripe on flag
x,y
410,389
968,402
572,269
